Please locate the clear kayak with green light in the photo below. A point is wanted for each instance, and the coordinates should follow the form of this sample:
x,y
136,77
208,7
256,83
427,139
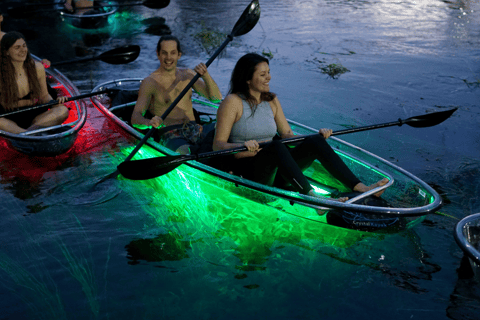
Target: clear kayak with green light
x,y
467,236
405,202
92,19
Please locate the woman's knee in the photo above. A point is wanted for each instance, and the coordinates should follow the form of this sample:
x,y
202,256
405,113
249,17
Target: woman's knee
x,y
61,112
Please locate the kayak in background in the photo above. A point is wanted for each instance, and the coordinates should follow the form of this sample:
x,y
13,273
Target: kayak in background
x,y
94,18
467,236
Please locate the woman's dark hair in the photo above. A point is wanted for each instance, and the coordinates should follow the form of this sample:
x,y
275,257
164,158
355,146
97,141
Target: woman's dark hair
x,y
242,73
9,94
167,38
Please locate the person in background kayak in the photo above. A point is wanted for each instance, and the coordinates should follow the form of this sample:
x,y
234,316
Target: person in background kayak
x,y
162,87
46,63
23,85
79,6
251,114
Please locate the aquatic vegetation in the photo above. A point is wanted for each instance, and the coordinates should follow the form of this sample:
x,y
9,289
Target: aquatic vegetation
x,y
334,70
210,39
472,84
268,54
41,297
82,270
164,247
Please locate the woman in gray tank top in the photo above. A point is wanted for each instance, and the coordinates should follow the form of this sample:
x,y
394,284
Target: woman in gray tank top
x,y
251,114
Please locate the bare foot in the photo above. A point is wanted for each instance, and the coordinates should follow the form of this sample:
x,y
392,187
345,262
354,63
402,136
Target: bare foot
x,y
321,212
360,187
185,149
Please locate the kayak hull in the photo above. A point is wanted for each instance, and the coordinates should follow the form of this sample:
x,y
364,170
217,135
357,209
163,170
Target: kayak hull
x,y
93,19
407,200
467,236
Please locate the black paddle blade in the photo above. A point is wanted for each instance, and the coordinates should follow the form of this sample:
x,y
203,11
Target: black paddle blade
x,y
121,55
151,168
248,19
156,4
429,119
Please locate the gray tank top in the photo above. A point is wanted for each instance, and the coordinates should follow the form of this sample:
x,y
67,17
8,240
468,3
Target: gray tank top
x,y
261,126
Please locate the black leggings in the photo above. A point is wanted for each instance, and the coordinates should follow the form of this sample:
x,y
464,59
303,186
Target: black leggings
x,y
290,162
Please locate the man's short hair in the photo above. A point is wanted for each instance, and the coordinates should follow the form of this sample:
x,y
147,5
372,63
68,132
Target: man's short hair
x,y
167,38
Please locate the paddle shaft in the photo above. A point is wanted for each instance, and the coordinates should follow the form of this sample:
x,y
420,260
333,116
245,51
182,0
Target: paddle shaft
x,y
55,102
298,139
426,120
56,64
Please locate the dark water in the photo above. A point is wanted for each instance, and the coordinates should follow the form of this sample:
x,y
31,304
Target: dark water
x,y
175,249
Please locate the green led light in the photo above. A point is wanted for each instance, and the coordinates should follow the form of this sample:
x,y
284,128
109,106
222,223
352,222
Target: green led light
x,y
320,190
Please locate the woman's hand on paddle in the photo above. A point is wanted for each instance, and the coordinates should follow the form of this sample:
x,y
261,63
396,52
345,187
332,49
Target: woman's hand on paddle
x,y
61,100
46,63
325,132
156,122
253,148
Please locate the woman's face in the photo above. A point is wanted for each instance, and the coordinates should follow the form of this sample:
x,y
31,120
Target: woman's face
x,y
260,79
18,52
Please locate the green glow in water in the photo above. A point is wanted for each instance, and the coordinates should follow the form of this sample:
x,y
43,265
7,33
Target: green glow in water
x,y
199,206
119,24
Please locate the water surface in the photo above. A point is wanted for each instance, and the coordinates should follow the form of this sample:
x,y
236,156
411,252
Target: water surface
x,y
176,248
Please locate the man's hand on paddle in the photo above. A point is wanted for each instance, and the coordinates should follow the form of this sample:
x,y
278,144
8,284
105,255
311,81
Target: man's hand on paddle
x,y
201,69
325,132
156,122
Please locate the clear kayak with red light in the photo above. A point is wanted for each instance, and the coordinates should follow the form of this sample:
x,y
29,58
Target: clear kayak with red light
x,y
405,202
53,140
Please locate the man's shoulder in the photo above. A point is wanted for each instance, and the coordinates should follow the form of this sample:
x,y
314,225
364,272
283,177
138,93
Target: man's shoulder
x,y
185,73
149,81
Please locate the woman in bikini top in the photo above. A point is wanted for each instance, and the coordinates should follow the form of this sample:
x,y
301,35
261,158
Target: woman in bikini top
x,y
21,76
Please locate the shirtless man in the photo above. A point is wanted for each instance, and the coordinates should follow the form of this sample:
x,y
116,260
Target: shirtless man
x,y
162,87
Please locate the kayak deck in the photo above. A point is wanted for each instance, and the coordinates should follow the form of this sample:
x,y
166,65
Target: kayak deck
x,y
405,199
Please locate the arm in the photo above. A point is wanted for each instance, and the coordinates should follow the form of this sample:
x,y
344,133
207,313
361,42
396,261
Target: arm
x,y
42,79
283,127
228,113
68,5
206,86
145,95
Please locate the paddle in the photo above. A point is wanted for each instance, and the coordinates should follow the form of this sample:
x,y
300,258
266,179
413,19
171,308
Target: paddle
x,y
22,11
121,55
245,23
55,102
154,167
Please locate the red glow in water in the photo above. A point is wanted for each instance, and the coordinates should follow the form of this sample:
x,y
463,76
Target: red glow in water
x,y
96,135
